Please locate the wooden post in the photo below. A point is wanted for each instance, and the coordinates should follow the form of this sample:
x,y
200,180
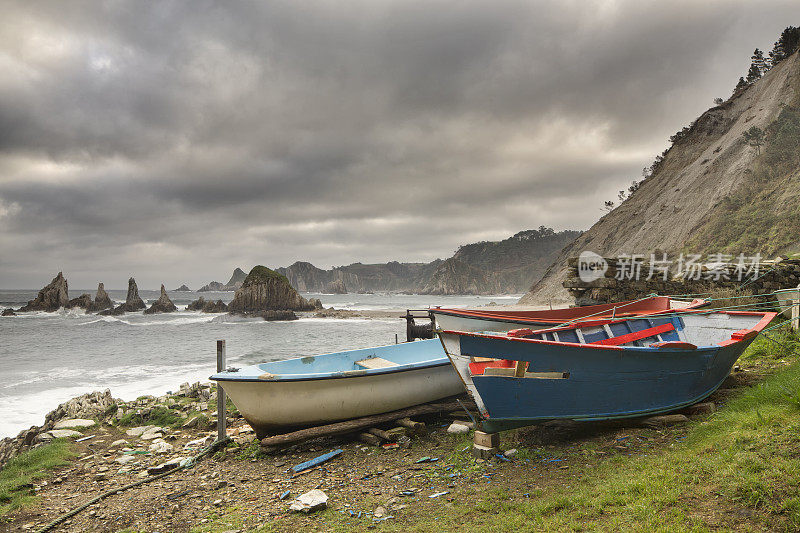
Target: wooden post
x,y
796,310
222,432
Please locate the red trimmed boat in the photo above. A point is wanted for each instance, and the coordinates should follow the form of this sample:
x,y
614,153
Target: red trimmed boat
x,y
606,369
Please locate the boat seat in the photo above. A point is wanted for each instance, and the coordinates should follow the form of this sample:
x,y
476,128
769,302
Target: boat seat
x,y
375,362
636,335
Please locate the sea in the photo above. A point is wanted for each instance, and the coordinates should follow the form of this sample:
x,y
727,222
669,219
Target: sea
x,y
48,358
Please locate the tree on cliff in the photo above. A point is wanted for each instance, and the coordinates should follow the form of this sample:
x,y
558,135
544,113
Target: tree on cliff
x,y
754,137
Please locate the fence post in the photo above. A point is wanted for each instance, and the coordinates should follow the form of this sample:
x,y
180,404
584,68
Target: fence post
x,y
796,310
221,429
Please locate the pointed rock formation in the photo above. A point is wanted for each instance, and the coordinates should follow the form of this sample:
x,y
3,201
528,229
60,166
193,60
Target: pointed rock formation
x,y
162,305
266,290
132,302
101,300
51,297
237,278
183,288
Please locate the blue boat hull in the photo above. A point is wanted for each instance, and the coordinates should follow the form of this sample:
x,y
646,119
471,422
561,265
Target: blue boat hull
x,y
583,382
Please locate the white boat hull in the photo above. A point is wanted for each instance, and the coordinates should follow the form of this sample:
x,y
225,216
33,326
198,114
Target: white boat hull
x,y
268,405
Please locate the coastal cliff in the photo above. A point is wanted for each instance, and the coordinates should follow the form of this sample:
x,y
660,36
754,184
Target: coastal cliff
x,y
711,191
457,277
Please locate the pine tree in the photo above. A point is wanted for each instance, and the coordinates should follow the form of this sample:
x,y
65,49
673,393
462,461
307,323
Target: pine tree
x,y
753,74
741,85
754,137
758,60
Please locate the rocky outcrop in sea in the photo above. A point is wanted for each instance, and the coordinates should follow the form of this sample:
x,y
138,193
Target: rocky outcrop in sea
x,y
336,287
183,288
132,303
101,300
162,305
237,278
266,290
52,297
84,301
8,312
207,306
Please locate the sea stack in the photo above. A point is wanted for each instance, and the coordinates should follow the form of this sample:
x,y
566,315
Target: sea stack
x,y
207,307
84,301
183,288
132,301
265,290
51,297
162,305
336,287
101,300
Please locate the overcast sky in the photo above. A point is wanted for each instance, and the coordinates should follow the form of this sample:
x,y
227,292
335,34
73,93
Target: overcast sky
x,y
174,141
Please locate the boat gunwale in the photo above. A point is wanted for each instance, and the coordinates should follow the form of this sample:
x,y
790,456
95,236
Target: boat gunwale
x,y
255,371
767,317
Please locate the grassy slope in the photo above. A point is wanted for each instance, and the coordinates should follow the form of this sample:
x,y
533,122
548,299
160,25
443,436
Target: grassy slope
x,y
16,477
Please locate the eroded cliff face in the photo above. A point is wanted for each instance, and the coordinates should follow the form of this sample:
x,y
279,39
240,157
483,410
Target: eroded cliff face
x,y
457,277
705,168
266,290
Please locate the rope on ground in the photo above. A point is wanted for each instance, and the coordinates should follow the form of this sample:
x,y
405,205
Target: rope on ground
x,y
187,464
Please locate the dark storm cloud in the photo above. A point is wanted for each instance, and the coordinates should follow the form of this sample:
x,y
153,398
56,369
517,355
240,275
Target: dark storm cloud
x,y
176,140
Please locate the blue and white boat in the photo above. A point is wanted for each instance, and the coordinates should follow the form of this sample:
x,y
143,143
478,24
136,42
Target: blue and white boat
x,y
618,369
339,386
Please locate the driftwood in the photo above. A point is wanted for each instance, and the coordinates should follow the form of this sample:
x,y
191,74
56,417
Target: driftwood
x,y
357,424
382,434
369,439
417,427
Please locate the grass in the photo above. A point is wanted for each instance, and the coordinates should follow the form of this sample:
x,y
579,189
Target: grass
x,y
158,416
17,477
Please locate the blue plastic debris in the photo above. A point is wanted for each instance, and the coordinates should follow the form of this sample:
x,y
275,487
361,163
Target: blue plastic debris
x,y
311,463
502,457
285,495
425,459
437,494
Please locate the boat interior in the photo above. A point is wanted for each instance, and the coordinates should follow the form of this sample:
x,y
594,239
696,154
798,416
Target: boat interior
x,y
688,331
418,353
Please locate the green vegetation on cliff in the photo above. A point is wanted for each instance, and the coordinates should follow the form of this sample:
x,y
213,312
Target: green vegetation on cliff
x,y
763,215
261,274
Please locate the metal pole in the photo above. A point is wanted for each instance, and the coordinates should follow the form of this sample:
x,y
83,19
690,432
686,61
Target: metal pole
x,y
221,429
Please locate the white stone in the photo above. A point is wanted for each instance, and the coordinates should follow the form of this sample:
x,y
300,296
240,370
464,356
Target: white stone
x,y
138,431
309,502
457,429
152,434
510,453
160,446
125,459
120,442
74,423
64,433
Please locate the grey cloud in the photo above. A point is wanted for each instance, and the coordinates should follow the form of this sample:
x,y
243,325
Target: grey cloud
x,y
176,140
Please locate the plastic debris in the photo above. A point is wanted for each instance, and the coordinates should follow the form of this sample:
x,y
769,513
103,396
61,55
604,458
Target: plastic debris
x,y
285,495
437,494
391,446
309,502
311,463
425,459
510,453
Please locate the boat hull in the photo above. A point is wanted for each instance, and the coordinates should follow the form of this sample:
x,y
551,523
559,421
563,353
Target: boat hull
x,y
270,405
583,382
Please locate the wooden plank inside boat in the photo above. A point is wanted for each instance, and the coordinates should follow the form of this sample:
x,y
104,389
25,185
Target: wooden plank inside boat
x,y
375,362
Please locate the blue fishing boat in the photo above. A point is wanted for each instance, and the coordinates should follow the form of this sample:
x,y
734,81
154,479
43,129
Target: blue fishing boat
x,y
616,369
326,388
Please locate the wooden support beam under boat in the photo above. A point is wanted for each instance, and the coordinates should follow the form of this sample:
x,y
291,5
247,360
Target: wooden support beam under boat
x,y
358,424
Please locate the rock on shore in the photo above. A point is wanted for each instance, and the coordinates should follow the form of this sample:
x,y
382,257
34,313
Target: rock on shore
x,y
162,305
266,290
50,298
